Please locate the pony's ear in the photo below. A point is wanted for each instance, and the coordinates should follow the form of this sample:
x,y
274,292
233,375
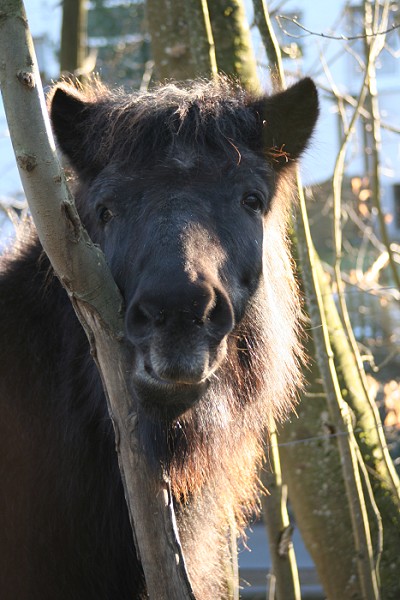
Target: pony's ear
x,y
71,115
288,119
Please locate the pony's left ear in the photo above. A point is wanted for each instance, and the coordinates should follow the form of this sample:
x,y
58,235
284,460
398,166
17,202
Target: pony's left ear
x,y
287,121
71,114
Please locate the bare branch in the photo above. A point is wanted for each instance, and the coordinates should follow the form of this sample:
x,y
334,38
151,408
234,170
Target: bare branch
x,y
276,519
363,111
313,278
341,38
373,49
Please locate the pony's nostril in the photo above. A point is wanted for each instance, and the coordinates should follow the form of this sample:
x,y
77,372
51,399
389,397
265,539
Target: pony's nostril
x,y
159,317
140,315
138,319
200,306
220,314
199,321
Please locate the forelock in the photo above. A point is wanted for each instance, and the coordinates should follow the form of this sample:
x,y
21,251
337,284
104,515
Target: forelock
x,y
145,127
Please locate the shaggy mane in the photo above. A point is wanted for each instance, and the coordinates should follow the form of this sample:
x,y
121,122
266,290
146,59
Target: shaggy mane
x,y
202,116
187,190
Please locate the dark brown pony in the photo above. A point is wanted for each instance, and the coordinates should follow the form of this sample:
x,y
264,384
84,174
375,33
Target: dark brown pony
x,y
187,192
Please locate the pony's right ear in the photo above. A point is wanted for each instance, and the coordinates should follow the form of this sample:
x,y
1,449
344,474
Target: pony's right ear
x,y
71,115
287,121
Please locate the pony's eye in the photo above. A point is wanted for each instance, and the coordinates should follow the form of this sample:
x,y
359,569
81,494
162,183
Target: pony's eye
x,y
105,215
253,202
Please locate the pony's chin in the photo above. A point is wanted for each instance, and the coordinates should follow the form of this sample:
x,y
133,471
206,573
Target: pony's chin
x,y
165,398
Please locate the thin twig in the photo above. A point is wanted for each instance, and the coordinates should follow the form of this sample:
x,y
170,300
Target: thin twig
x,y
311,266
373,51
337,237
341,38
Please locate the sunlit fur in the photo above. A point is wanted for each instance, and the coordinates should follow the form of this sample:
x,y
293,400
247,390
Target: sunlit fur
x,y
224,437
68,521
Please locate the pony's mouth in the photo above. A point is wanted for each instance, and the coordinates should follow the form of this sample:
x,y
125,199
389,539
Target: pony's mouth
x,y
177,380
166,377
171,396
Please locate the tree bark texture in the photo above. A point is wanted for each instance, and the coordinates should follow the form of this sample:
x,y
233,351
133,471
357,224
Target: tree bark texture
x,y
369,433
262,19
338,410
312,470
233,47
201,39
196,38
279,529
82,269
73,36
170,40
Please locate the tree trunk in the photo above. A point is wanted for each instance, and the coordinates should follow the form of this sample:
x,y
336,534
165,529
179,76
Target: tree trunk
x,y
285,577
73,37
369,433
339,412
368,427
82,269
195,38
233,48
201,39
170,42
313,472
262,19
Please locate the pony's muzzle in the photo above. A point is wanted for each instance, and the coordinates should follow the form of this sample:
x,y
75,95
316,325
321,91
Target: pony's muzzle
x,y
180,335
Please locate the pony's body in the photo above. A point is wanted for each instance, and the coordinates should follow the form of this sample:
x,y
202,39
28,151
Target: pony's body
x,y
176,188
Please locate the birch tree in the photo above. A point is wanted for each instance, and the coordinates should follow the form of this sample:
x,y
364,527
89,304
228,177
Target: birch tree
x,y
82,269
